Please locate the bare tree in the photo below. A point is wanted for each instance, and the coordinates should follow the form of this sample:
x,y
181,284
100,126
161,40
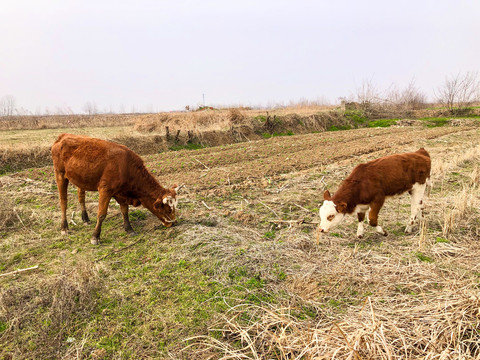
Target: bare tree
x,y
7,105
90,108
368,94
409,98
458,92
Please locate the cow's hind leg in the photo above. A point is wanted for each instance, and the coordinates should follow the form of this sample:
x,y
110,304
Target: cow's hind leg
x,y
81,200
103,200
373,216
126,221
62,184
417,193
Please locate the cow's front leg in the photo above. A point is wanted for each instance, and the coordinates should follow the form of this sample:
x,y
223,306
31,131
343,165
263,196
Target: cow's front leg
x,y
360,228
104,199
62,184
373,216
81,200
124,209
416,210
126,221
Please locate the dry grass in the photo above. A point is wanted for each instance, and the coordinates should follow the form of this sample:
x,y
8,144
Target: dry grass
x,y
65,121
219,120
386,330
43,312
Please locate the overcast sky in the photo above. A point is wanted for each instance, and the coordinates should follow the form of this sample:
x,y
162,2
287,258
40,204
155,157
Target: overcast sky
x,y
163,55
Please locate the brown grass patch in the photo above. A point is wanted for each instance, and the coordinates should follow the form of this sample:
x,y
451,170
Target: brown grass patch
x,y
65,121
370,330
46,312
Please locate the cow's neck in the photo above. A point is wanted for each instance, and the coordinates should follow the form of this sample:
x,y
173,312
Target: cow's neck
x,y
146,186
347,193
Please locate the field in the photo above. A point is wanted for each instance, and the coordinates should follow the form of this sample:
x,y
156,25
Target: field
x,y
241,275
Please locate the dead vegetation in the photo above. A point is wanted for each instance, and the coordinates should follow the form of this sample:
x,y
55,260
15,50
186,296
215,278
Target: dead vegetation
x,y
380,330
23,122
39,314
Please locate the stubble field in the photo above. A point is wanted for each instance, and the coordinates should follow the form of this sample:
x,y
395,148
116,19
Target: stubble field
x,y
241,275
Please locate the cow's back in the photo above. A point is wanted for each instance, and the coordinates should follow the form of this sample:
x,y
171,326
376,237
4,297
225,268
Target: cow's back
x,y
87,162
391,175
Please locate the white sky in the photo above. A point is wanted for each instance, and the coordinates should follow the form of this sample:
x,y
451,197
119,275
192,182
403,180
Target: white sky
x,y
163,55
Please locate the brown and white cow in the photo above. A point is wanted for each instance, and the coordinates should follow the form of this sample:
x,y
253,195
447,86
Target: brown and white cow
x,y
369,184
114,171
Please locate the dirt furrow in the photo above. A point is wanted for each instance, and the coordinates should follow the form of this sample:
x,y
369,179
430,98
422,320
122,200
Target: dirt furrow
x,y
220,166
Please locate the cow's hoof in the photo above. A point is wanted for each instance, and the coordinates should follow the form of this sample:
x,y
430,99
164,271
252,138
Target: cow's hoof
x,y
85,223
64,232
95,241
132,233
385,233
360,236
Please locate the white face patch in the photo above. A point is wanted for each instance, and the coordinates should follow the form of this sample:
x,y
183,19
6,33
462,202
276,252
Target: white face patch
x,y
329,216
170,201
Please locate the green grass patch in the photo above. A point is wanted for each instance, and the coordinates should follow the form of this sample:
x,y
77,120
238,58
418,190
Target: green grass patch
x,y
267,135
269,234
434,122
3,326
339,127
422,257
382,123
137,215
187,146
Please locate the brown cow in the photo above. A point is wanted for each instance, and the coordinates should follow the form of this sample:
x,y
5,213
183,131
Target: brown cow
x,y
114,171
369,184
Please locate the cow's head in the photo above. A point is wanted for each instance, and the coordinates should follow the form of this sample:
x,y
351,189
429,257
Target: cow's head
x,y
331,214
164,207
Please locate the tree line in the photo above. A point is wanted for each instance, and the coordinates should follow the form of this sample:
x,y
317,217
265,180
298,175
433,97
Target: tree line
x,y
456,93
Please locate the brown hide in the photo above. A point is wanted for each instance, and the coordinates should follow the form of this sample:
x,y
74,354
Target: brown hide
x,y
373,181
114,171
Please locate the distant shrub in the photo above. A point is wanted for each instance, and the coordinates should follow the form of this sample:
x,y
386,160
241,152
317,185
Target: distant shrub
x,y
357,116
235,116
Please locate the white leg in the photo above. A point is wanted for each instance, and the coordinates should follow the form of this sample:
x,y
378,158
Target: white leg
x,y
361,209
360,230
418,190
380,230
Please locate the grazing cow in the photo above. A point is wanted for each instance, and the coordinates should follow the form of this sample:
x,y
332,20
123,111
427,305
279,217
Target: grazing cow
x,y
369,184
114,171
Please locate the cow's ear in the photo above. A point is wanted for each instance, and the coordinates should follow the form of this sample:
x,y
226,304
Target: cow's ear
x,y
157,204
326,195
341,207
